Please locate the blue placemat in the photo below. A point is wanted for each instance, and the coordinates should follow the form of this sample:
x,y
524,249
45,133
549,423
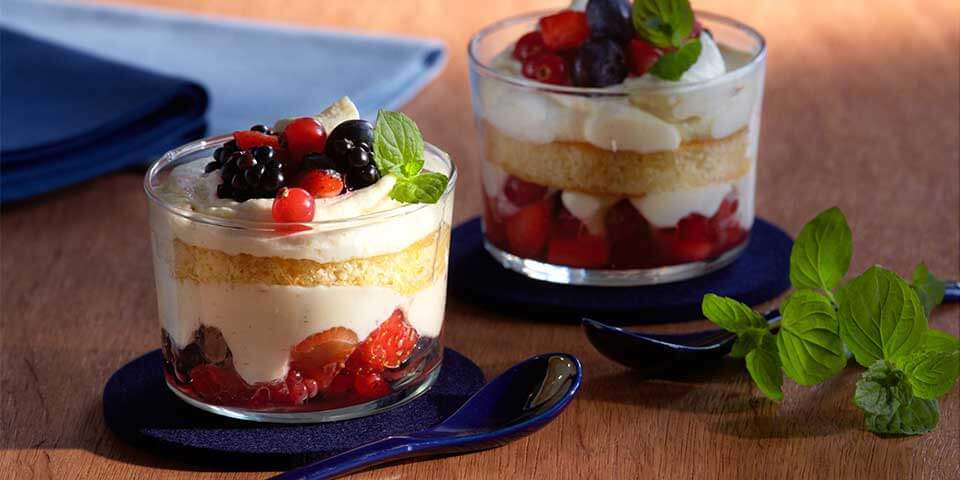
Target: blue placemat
x,y
760,274
138,407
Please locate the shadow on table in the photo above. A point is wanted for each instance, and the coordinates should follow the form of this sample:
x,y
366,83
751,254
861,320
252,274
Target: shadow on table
x,y
727,403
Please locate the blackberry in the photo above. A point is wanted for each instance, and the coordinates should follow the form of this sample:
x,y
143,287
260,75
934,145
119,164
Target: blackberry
x,y
361,177
262,129
253,173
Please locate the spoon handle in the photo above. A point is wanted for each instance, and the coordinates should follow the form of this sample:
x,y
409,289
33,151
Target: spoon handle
x,y
380,451
951,293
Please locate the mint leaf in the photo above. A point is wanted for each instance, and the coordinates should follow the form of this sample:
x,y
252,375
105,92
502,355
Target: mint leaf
x,y
882,389
940,341
747,341
664,23
880,317
932,373
809,340
397,145
821,253
672,65
913,418
730,314
929,288
763,363
424,188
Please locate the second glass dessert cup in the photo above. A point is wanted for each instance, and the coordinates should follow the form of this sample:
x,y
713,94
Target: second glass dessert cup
x,y
640,183
308,322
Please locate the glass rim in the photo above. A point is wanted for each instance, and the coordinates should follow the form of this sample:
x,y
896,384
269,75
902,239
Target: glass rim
x,y
210,143
617,90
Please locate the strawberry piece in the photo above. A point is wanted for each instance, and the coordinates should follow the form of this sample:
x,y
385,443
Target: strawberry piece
x,y
564,30
322,355
493,227
572,244
530,45
219,384
630,239
370,385
586,251
728,208
547,68
692,240
521,192
322,183
386,347
642,56
528,229
247,139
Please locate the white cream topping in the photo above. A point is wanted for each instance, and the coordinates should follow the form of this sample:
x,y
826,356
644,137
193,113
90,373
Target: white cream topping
x,y
665,209
589,209
187,188
261,323
658,115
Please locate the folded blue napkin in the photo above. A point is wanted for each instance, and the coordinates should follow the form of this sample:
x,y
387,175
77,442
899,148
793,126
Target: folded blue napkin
x,y
66,116
254,73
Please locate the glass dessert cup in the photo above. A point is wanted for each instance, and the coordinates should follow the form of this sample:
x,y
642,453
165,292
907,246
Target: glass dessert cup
x,y
282,322
634,184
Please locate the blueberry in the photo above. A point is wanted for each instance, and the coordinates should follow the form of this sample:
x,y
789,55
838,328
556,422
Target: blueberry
x,y
263,153
211,167
247,161
610,18
224,191
218,154
358,158
252,176
356,131
259,128
599,63
238,184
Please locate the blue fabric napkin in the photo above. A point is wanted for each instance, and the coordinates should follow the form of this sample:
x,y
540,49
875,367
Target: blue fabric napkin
x,y
253,72
66,116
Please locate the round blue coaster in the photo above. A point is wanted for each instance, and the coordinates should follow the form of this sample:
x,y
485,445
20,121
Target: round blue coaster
x,y
761,273
139,408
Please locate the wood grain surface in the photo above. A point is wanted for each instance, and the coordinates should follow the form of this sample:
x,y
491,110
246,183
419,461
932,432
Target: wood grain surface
x,y
861,111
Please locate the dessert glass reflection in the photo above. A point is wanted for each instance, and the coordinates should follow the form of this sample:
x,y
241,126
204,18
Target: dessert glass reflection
x,y
640,182
320,320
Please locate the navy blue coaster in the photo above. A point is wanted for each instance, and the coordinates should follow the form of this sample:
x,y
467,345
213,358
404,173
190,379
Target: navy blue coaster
x,y
761,273
139,408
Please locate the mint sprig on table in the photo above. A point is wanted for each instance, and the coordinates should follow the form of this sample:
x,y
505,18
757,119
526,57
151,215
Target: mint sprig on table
x,y
877,317
667,25
398,151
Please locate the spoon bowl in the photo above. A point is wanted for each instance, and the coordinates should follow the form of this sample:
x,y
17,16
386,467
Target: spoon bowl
x,y
516,403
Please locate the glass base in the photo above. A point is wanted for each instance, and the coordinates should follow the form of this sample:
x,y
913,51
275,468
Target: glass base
x,y
611,278
395,399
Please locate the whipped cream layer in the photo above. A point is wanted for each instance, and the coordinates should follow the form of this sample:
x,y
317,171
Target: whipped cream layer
x,y
655,115
188,188
262,323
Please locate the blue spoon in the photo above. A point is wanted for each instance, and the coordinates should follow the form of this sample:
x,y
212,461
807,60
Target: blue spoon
x,y
517,403
658,352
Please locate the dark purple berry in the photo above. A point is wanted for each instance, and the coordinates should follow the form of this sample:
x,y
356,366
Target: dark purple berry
x,y
356,131
263,153
363,177
610,18
252,176
271,180
259,128
218,154
211,166
599,63
224,191
247,161
358,158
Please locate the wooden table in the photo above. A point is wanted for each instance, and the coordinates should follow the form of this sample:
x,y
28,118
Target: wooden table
x,y
861,111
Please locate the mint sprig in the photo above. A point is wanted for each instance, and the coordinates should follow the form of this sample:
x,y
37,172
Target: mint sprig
x,y
667,25
876,316
398,151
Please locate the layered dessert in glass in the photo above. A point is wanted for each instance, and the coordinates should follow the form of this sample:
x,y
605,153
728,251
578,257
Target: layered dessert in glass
x,y
619,141
301,274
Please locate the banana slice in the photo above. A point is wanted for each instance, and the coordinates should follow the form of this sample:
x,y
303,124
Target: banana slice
x,y
337,113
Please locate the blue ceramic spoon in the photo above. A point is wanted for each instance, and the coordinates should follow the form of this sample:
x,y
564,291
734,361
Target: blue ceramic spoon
x,y
518,402
656,352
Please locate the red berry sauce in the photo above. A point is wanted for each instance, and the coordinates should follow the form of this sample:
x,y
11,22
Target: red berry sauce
x,y
539,227
328,369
